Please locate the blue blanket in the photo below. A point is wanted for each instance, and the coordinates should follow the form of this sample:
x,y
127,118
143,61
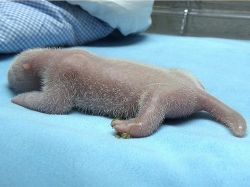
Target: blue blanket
x,y
41,150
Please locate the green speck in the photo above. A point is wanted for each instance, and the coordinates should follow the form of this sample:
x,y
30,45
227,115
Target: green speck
x,y
125,135
122,135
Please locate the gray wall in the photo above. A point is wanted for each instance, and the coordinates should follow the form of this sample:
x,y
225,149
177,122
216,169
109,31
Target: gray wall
x,y
227,19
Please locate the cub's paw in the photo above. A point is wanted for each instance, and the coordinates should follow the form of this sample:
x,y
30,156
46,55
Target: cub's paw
x,y
128,128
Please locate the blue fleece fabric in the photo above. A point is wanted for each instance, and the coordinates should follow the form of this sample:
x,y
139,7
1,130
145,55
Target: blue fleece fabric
x,y
77,150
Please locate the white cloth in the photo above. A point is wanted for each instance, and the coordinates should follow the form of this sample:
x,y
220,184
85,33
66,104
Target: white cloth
x,y
129,16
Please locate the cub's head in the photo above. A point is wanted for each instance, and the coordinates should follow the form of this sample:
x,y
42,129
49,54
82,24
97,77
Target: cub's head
x,y
21,76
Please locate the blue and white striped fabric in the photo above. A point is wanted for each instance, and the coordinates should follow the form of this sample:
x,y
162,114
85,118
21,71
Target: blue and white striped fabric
x,y
31,24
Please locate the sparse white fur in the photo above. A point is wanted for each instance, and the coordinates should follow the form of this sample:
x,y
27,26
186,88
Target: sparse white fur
x,y
56,81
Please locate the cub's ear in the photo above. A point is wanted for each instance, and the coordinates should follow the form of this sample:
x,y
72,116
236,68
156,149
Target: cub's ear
x,y
27,66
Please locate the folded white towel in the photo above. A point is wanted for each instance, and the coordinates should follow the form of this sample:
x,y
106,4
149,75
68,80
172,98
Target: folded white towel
x,y
129,16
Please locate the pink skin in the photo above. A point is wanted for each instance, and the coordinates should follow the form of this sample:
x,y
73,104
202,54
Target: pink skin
x,y
54,81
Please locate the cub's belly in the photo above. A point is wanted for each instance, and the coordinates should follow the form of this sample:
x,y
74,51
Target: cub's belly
x,y
117,105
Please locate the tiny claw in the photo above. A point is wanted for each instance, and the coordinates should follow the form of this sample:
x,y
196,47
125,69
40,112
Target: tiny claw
x,y
123,135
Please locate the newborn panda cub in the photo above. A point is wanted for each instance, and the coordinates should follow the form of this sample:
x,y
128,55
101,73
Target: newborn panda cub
x,y
55,81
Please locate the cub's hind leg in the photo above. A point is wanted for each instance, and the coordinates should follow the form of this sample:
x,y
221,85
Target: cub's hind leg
x,y
158,103
224,114
151,113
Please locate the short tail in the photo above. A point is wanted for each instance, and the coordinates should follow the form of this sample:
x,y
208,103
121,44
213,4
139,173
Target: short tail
x,y
224,114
